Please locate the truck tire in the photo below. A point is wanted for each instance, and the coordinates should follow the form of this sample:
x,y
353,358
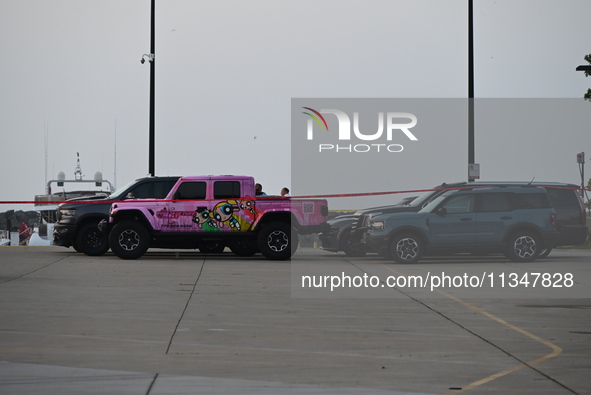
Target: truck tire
x,y
129,240
244,247
523,246
91,241
277,241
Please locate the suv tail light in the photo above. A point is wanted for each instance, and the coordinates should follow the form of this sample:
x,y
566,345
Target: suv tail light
x,y
553,221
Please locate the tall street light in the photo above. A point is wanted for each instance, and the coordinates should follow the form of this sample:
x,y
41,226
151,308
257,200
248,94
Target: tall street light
x,y
151,165
152,60
471,155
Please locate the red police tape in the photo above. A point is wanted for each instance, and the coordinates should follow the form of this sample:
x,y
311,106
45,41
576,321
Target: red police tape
x,y
340,195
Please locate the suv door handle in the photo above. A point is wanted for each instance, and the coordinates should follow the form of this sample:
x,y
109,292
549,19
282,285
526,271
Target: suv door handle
x,y
506,217
466,219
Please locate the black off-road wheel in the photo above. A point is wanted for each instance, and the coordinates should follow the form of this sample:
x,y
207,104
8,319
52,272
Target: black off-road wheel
x,y
277,241
406,248
91,241
129,239
523,246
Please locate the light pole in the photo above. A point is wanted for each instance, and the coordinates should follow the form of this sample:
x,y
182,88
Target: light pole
x,y
151,57
471,156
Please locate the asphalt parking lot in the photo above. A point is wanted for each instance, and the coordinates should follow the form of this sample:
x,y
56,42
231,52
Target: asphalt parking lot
x,y
181,322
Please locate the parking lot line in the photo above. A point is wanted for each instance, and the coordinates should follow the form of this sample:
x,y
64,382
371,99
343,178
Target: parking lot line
x,y
555,349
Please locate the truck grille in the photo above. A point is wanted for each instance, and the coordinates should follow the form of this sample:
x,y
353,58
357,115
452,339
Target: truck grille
x,y
360,221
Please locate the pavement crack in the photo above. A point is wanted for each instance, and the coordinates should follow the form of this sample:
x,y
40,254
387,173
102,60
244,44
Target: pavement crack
x,y
31,272
152,383
186,306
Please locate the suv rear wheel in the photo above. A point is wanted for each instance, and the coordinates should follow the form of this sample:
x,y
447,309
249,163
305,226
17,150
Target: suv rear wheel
x,y
91,241
129,240
406,248
523,246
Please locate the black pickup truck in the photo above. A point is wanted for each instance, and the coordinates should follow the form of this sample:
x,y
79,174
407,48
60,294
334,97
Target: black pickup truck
x,y
77,221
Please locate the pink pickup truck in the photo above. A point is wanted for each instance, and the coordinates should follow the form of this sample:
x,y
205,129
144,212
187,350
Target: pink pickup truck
x,y
211,213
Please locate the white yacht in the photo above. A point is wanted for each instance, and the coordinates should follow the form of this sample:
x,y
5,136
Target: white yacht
x,y
56,193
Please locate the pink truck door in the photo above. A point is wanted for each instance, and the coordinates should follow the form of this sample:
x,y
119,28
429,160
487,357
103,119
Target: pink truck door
x,y
187,212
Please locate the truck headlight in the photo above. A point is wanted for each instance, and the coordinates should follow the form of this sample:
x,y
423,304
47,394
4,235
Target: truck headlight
x,y
64,213
377,225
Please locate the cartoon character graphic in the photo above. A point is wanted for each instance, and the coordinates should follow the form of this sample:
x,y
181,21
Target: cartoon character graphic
x,y
203,219
223,212
248,205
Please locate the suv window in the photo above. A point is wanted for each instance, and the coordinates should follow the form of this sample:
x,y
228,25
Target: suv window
x,y
495,202
562,197
152,189
459,204
530,200
191,190
226,190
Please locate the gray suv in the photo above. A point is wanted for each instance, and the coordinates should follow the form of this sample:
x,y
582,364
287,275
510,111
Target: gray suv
x,y
517,221
346,231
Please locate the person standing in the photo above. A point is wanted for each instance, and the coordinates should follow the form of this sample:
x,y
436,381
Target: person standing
x,y
259,190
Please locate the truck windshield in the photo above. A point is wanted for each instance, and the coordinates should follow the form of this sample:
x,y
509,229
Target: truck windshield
x,y
120,191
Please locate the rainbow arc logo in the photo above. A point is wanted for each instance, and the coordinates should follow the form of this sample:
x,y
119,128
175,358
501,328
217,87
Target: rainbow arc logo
x,y
317,117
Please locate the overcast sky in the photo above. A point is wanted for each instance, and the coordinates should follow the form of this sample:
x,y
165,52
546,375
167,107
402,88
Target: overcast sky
x,y
226,72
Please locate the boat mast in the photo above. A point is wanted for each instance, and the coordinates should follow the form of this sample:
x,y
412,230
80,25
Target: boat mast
x,y
78,170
